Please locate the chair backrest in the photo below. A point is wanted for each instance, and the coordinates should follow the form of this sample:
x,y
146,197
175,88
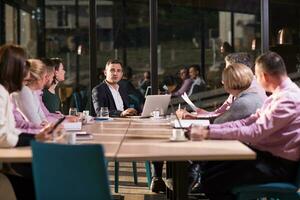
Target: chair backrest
x,y
69,172
80,100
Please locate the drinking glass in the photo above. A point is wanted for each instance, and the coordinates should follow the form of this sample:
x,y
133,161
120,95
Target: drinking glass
x,y
73,111
104,112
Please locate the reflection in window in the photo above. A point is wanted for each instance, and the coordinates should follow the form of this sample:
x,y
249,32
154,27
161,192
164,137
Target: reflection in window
x,y
67,37
28,33
11,25
285,32
203,33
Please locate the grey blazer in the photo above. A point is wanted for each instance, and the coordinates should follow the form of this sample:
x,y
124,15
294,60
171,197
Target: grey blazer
x,y
245,104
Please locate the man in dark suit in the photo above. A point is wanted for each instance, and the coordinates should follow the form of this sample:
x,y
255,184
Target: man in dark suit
x,y
110,94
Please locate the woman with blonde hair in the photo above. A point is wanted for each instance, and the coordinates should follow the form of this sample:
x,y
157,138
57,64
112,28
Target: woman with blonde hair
x,y
26,100
233,58
237,79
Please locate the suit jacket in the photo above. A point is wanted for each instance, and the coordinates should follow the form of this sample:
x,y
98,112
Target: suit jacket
x,y
245,104
102,97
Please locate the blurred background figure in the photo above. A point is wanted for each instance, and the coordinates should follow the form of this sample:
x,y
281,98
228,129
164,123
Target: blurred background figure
x,y
145,83
170,84
186,82
198,84
226,49
136,98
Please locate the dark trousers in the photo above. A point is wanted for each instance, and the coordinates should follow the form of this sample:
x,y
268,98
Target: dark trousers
x,y
219,178
157,168
23,187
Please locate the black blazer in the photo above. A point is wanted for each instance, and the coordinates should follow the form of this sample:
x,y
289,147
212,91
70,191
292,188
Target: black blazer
x,y
102,97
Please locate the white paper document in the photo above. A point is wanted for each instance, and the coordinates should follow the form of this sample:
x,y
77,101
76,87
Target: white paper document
x,y
185,123
189,102
72,126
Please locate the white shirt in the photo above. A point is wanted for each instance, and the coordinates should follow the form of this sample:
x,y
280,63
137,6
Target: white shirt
x,y
197,81
27,101
9,135
117,97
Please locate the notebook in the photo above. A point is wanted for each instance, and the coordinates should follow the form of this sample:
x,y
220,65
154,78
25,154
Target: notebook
x,y
185,123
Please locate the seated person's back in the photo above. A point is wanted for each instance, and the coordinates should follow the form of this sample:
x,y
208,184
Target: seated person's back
x,y
237,80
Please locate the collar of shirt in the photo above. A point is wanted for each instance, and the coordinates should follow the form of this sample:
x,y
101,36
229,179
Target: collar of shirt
x,y
284,84
39,92
116,87
116,96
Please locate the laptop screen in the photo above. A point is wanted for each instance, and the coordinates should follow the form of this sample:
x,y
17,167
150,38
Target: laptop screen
x,y
156,102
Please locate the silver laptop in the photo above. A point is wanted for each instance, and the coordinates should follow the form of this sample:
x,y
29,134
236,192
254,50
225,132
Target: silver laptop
x,y
156,102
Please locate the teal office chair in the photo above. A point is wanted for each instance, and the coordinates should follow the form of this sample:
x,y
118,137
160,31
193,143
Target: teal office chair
x,y
80,100
69,172
275,191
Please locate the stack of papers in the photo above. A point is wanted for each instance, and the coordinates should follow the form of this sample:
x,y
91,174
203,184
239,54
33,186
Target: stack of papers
x,y
72,126
208,115
185,123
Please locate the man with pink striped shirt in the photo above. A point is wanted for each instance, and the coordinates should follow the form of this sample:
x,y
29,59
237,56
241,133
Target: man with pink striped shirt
x,y
273,132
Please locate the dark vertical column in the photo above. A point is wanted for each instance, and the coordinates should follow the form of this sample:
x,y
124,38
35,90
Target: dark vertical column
x,y
264,25
2,22
41,28
93,48
153,45
203,31
180,181
77,42
18,26
232,30
124,32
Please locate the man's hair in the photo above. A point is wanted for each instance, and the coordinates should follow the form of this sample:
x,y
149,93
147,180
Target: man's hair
x,y
196,67
113,61
237,76
48,64
271,63
56,62
242,57
148,74
12,67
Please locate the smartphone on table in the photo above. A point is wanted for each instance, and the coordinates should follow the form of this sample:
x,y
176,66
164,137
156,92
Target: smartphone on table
x,y
57,123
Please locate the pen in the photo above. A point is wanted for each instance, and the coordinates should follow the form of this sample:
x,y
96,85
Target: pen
x,y
179,107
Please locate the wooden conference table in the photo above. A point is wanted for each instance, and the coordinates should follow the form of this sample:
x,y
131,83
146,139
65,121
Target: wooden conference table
x,y
145,139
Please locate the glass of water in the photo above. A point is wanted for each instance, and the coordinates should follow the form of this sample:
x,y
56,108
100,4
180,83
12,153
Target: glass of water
x,y
73,111
104,113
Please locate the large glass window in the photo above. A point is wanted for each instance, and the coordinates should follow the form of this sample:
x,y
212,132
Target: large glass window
x,y
203,32
31,2
189,32
123,33
67,37
28,33
11,26
285,32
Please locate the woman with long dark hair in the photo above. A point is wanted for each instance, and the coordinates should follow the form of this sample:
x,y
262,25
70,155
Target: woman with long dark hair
x,y
12,73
